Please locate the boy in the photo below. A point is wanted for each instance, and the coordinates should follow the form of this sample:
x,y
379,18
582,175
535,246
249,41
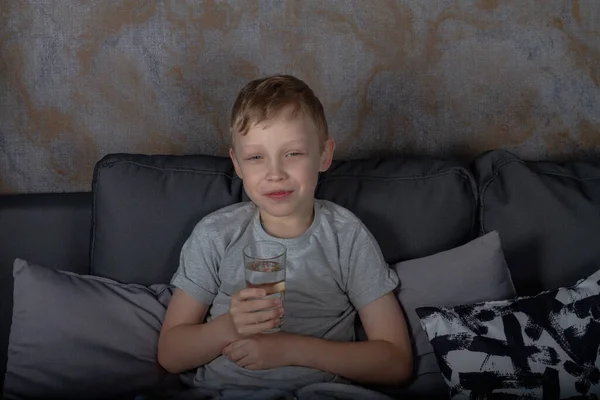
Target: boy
x,y
280,144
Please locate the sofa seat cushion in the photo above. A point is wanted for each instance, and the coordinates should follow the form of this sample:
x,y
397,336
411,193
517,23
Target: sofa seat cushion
x,y
548,216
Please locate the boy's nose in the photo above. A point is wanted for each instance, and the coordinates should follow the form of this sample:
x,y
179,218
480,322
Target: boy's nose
x,y
275,172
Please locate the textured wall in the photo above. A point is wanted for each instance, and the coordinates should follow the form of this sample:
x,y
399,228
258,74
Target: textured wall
x,y
79,79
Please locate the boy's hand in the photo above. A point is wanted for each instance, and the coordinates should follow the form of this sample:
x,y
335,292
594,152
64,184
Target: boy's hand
x,y
245,316
263,351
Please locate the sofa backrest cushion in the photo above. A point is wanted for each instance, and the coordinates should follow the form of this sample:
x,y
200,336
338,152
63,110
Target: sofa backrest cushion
x,y
414,207
146,206
548,216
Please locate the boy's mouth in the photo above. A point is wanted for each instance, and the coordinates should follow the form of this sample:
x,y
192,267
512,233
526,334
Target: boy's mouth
x,y
279,194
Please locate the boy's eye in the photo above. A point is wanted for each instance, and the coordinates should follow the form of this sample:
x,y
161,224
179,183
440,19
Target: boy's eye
x,y
294,153
254,157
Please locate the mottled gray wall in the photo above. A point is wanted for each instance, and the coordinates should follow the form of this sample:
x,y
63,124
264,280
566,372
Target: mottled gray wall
x,y
79,79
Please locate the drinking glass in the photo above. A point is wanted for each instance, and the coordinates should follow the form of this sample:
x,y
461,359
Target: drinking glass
x,y
264,264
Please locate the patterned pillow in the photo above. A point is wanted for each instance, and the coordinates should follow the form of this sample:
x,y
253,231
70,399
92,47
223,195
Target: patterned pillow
x,y
546,346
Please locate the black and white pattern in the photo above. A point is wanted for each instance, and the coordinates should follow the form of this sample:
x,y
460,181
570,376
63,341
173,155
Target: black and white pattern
x,y
540,347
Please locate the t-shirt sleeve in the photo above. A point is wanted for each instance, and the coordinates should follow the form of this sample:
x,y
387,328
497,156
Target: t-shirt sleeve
x,y
369,275
198,271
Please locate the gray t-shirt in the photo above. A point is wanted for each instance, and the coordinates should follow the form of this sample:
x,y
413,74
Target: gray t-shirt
x,y
332,270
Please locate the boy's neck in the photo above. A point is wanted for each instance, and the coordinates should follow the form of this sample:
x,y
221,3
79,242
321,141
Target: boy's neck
x,y
288,227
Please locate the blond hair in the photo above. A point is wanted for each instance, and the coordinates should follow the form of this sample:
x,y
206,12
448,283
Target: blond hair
x,y
263,99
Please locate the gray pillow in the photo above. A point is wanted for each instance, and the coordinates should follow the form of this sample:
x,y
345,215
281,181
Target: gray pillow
x,y
471,273
80,336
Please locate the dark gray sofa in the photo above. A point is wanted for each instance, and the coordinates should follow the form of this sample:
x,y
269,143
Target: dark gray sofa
x,y
140,209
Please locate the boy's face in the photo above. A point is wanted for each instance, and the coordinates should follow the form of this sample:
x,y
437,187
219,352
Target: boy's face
x,y
279,161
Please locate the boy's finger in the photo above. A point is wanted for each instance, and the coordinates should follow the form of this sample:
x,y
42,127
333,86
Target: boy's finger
x,y
251,293
258,305
261,327
243,362
261,321
232,346
264,316
237,354
250,319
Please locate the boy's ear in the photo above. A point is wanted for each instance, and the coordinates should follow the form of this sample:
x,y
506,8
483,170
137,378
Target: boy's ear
x,y
327,155
235,162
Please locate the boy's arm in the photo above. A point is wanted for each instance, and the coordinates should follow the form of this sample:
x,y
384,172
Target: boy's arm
x,y
385,358
185,342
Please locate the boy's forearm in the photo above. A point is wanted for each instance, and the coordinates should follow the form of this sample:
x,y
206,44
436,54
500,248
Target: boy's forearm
x,y
374,361
190,346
